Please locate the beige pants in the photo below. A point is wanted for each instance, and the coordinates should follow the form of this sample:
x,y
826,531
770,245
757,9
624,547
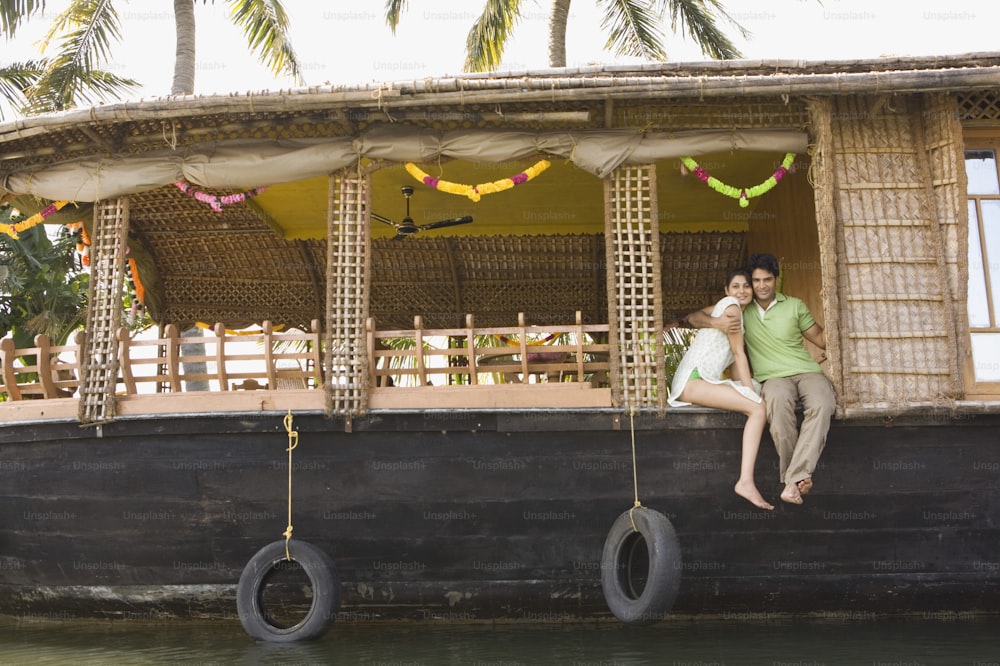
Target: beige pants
x,y
799,450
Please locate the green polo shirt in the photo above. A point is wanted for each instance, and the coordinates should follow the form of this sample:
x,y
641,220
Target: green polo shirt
x,y
774,338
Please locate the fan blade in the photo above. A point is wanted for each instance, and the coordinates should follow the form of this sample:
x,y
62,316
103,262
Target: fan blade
x,y
447,223
384,220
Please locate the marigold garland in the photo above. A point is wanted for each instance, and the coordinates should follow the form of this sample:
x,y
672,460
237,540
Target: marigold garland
x,y
742,194
217,202
83,246
475,192
13,230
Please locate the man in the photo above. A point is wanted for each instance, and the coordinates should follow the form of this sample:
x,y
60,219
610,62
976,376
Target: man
x,y
776,326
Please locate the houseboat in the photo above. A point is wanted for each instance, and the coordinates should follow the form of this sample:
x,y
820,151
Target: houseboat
x,y
432,316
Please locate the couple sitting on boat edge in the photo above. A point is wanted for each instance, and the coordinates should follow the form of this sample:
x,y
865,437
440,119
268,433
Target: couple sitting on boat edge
x,y
770,339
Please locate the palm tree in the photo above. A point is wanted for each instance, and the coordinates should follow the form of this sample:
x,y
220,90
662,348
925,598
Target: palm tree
x,y
85,32
633,28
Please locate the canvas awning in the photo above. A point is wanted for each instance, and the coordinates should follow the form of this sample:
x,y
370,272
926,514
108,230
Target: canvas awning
x,y
251,163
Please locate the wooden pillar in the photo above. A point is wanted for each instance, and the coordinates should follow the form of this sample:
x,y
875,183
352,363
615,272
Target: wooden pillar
x,y
635,299
99,361
347,288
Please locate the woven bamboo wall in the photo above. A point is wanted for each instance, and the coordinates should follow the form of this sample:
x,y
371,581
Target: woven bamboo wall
x,y
694,268
442,279
636,313
228,266
742,112
895,309
945,150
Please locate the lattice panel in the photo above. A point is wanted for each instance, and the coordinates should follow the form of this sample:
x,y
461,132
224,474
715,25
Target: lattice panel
x,y
898,341
99,374
981,105
744,112
633,250
348,274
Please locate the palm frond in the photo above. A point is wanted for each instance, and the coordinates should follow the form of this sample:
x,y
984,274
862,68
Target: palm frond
x,y
64,86
393,10
265,25
16,78
486,41
15,12
85,31
697,19
633,29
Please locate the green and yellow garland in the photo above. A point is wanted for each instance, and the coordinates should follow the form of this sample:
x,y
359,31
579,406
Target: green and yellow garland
x,y
743,194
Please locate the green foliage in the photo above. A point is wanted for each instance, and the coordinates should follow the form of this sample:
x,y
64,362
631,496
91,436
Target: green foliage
x,y
43,289
675,342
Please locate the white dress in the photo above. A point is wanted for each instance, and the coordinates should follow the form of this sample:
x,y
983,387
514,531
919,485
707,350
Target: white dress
x,y
710,354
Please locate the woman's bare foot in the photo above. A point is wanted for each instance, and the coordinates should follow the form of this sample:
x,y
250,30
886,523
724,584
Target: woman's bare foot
x,y
748,491
805,485
791,494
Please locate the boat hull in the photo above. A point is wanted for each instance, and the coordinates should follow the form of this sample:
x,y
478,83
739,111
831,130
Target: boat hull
x,y
487,515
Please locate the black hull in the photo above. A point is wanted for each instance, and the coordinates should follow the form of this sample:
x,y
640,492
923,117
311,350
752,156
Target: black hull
x,y
493,515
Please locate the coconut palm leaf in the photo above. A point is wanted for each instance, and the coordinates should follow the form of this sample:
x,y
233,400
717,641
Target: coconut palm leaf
x,y
633,29
85,31
488,37
15,12
18,77
265,25
697,18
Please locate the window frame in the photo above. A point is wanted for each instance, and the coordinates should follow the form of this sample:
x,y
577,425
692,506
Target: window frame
x,y
980,139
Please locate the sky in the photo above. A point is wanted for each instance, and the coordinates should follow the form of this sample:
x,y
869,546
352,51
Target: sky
x,y
343,42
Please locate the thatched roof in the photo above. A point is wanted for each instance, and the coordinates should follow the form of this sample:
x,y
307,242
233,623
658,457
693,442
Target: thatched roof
x,y
247,263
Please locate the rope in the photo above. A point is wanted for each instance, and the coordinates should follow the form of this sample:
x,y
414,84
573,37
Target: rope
x,y
635,476
293,441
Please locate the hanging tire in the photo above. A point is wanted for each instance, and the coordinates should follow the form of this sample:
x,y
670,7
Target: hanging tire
x,y
316,564
651,549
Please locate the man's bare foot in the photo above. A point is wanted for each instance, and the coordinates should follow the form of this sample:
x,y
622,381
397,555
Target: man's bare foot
x,y
748,491
791,494
805,485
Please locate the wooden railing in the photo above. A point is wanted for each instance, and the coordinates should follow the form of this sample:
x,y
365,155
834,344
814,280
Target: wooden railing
x,y
423,362
558,365
257,361
44,371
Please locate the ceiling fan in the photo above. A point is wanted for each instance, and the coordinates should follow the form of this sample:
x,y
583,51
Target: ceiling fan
x,y
407,227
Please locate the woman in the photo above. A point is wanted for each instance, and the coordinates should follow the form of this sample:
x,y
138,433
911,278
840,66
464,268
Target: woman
x,y
699,381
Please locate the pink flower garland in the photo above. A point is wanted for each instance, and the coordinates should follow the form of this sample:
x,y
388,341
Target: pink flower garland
x,y
217,202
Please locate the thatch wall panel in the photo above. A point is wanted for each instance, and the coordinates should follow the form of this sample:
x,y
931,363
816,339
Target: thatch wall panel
x,y
895,303
946,157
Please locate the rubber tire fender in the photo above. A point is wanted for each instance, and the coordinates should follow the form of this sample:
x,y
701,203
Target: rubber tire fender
x,y
325,589
665,567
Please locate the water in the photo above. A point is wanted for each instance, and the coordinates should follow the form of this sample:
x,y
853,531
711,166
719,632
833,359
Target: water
x,y
890,642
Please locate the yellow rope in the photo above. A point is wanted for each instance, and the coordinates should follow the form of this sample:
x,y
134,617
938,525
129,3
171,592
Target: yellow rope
x,y
293,441
635,477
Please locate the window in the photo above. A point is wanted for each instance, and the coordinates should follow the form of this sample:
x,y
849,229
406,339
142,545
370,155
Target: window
x,y
984,266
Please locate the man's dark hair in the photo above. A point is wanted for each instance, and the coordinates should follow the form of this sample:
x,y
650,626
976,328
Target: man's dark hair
x,y
763,261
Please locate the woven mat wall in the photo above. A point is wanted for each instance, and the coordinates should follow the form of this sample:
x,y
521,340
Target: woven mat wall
x,y
896,307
